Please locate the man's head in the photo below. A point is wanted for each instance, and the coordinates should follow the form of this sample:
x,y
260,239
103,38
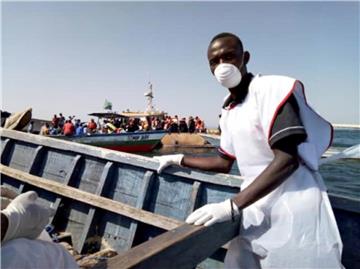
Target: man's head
x,y
227,48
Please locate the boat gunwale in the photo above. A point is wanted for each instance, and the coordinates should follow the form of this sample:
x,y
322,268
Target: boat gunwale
x,y
123,157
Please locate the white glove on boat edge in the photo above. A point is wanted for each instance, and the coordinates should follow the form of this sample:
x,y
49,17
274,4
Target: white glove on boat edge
x,y
168,160
213,213
26,217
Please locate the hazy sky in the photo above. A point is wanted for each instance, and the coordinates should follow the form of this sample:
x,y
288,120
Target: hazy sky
x,y
69,56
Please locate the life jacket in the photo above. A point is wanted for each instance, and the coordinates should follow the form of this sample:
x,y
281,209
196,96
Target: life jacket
x,y
92,125
69,129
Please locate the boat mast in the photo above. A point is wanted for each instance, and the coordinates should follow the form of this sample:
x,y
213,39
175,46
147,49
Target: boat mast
x,y
149,96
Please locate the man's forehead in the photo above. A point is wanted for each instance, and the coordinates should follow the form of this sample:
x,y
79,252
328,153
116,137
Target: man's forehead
x,y
223,43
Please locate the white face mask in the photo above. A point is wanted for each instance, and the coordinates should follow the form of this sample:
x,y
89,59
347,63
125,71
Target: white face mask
x,y
228,75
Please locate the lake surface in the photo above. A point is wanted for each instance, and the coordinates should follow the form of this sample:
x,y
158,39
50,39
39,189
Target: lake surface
x,y
341,177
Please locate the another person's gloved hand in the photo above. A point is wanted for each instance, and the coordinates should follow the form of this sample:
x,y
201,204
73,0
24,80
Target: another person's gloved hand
x,y
212,213
26,217
168,160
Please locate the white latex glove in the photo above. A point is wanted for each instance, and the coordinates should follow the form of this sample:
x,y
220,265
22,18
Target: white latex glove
x,y
26,217
212,213
168,160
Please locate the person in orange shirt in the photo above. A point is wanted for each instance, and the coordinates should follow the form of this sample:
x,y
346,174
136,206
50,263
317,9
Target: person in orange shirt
x,y
92,126
69,128
198,124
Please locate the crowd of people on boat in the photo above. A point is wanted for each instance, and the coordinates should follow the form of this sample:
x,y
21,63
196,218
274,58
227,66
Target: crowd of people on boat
x,y
179,125
70,126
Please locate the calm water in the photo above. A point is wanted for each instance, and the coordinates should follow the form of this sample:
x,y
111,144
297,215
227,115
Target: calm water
x,y
341,177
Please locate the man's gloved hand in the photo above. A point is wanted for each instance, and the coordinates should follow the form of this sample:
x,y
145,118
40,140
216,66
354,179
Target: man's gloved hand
x,y
168,160
26,217
212,213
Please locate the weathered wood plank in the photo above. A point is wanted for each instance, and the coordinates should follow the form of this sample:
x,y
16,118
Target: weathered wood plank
x,y
181,248
20,155
122,157
140,204
90,217
194,195
33,165
90,174
170,196
68,177
92,199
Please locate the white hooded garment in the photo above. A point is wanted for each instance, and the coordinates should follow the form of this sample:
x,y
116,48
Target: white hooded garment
x,y
35,254
293,226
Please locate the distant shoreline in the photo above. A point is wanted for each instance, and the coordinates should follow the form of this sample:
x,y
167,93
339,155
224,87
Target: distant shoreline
x,y
340,125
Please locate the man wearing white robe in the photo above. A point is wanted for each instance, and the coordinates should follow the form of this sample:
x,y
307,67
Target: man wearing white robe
x,y
277,140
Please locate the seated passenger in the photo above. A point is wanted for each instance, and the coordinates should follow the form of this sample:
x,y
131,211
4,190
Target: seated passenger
x,y
191,124
183,128
91,127
79,130
69,128
132,125
44,129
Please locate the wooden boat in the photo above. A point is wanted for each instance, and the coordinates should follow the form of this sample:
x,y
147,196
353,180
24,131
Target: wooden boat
x,y
183,140
127,142
141,141
113,199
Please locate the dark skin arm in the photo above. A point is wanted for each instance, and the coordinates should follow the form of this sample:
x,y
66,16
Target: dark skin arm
x,y
285,162
216,164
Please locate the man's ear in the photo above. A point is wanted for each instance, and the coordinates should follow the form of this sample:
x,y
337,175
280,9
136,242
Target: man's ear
x,y
246,57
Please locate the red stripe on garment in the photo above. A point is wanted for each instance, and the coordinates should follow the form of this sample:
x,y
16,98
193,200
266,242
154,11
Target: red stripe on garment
x,y
231,106
278,108
227,154
283,102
